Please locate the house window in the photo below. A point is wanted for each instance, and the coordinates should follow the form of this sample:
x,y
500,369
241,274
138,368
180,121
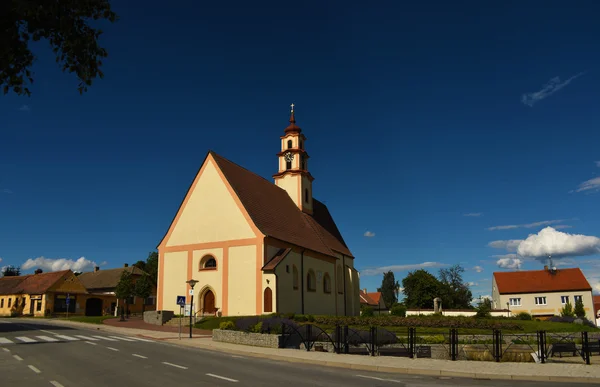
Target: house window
x,y
60,304
289,144
9,301
38,306
287,268
311,283
577,298
295,277
326,283
208,262
540,301
150,300
564,299
2,303
515,302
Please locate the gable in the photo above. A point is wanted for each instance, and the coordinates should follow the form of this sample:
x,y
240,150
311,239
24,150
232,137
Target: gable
x,y
210,212
538,281
68,284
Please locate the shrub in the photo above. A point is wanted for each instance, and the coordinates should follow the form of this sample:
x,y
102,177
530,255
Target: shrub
x,y
366,311
257,328
398,310
245,324
579,309
484,309
567,310
227,326
524,316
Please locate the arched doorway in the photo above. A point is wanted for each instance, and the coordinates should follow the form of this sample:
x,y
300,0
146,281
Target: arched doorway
x,y
208,302
268,300
93,307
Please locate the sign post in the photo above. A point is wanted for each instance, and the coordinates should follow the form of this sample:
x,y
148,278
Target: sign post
x,y
181,303
68,300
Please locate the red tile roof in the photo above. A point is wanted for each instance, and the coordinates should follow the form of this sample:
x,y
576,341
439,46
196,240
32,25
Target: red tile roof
x,y
375,296
537,281
30,284
275,214
272,264
365,299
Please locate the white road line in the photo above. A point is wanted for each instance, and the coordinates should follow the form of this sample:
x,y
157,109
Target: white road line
x,y
380,379
34,369
47,338
113,349
89,342
4,340
19,358
105,338
140,339
238,357
6,349
121,338
175,365
56,384
26,339
223,378
86,338
140,356
69,338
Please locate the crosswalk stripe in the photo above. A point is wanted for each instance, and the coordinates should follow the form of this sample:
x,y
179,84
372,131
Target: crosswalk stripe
x,y
69,338
105,338
121,338
47,338
4,340
140,339
86,337
25,339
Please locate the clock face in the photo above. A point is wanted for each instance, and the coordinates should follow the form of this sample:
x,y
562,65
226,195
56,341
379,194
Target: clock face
x,y
289,156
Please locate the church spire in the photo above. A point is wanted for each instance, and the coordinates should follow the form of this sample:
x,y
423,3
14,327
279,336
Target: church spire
x,y
292,127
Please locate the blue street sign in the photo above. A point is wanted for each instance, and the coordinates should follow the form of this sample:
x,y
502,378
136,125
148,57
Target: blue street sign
x,y
181,300
68,299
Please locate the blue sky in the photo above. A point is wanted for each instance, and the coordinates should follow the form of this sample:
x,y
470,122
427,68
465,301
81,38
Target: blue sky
x,y
415,115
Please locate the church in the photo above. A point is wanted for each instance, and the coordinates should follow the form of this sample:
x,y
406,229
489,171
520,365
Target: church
x,y
255,246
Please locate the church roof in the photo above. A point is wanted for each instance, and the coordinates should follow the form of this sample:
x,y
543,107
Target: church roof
x,y
276,215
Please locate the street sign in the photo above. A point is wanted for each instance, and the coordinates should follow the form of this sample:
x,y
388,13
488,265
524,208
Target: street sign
x,y
68,300
191,292
181,300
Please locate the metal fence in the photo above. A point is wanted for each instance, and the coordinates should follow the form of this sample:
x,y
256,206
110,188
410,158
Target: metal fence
x,y
495,346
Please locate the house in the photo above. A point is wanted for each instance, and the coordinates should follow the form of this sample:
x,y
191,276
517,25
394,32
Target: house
x,y
597,309
256,246
101,284
373,300
542,293
42,294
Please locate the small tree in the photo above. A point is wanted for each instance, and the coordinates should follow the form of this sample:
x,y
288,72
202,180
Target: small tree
x,y
484,308
143,289
124,290
389,289
11,271
567,310
579,310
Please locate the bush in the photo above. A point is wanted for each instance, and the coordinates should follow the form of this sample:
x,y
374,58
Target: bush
x,y
366,311
257,328
398,310
567,310
579,309
227,326
524,316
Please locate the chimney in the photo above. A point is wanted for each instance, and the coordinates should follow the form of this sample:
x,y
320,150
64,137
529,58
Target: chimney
x,y
365,290
546,267
96,268
126,265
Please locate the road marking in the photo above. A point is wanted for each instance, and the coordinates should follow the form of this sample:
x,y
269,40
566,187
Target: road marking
x,y
86,337
121,338
140,339
140,356
112,349
56,384
105,338
47,338
51,333
238,357
376,378
26,339
6,349
34,369
89,342
223,378
67,337
175,365
4,340
19,358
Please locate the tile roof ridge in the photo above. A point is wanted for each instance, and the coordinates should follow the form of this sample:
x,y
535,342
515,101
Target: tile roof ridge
x,y
213,153
315,231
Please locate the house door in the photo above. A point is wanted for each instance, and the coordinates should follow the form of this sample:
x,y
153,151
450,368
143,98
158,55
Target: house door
x,y
93,307
209,302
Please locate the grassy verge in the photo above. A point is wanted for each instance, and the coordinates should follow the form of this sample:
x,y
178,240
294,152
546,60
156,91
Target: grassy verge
x,y
88,319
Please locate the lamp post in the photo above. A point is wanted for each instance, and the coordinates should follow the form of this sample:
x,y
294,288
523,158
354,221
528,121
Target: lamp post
x,y
508,307
192,283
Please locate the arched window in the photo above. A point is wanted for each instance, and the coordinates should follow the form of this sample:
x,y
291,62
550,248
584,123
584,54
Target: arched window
x,y
295,277
306,195
340,279
311,282
289,144
288,165
268,300
208,262
326,283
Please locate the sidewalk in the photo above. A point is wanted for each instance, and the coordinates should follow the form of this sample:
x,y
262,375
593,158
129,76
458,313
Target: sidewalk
x,y
554,372
138,323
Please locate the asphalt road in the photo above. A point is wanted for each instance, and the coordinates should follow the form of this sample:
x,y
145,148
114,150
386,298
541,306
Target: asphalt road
x,y
38,354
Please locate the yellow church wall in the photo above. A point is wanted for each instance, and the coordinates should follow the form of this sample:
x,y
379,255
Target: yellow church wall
x,y
208,278
317,301
290,183
210,213
175,272
242,292
289,300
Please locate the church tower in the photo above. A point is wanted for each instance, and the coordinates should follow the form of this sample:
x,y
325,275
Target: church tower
x,y
293,175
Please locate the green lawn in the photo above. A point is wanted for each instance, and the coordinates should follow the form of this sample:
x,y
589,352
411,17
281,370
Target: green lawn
x,y
87,319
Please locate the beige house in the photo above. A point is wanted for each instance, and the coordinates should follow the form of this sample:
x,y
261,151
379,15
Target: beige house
x,y
256,246
373,300
542,293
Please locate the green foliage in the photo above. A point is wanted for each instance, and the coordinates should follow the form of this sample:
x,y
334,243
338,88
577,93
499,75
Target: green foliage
x,y
420,288
389,289
143,286
125,288
567,310
398,310
579,309
11,271
65,24
455,294
484,308
524,316
151,266
257,328
227,326
366,311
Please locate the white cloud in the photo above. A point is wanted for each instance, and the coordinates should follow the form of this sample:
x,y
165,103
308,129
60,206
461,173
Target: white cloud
x,y
597,164
369,234
478,269
558,244
103,263
25,108
472,284
547,90
0,259
474,214
48,264
559,226
509,263
526,225
589,185
395,268
508,245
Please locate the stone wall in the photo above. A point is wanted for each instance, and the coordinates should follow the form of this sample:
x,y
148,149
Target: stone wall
x,y
245,338
158,317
